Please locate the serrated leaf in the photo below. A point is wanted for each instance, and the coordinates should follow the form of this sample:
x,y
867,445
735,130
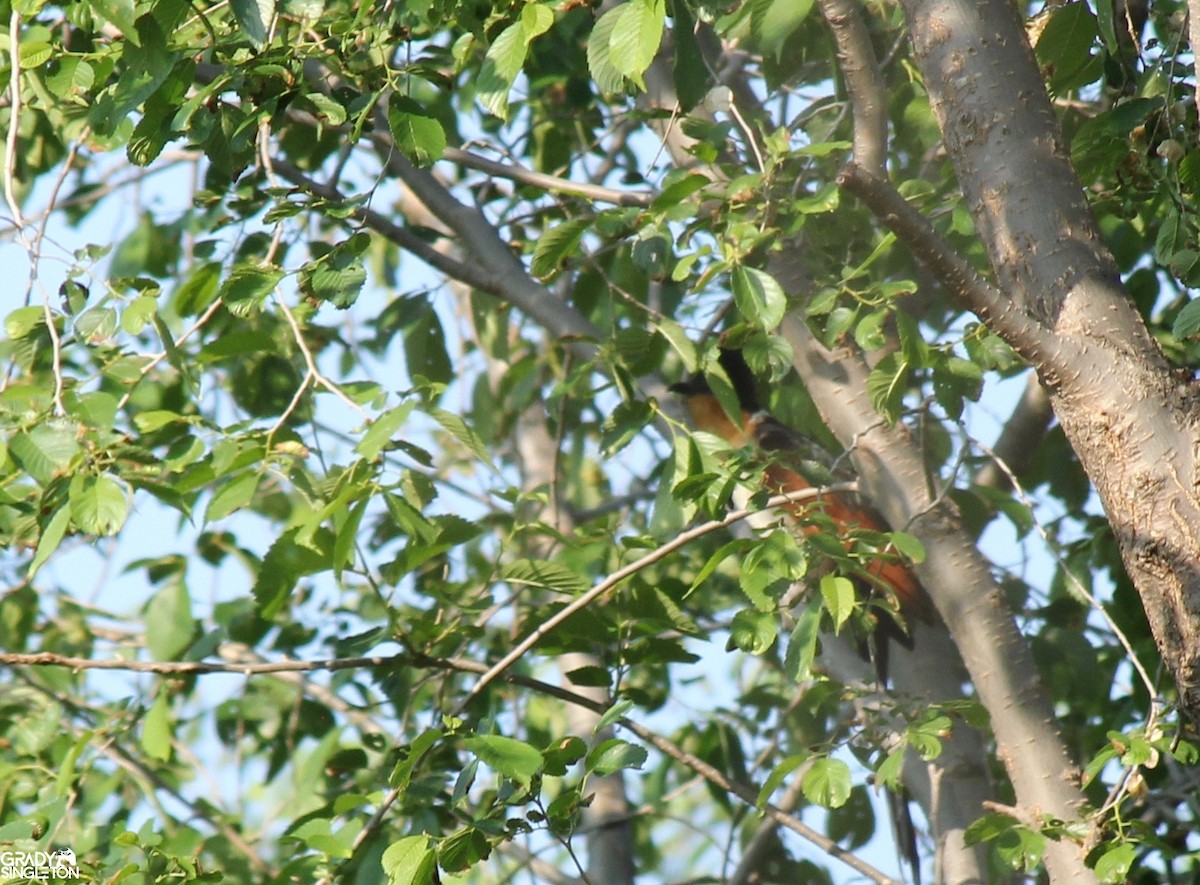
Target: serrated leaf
x,y
501,65
338,278
35,53
636,37
285,562
536,19
556,244
509,757
328,109
827,782
46,450
886,385
753,631
988,827
459,429
382,430
839,597
1187,321
759,297
255,18
247,287
410,861
891,769
908,546
542,573
614,755
232,496
417,134
599,52
99,504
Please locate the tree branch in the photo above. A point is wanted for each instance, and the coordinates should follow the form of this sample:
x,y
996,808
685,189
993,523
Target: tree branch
x,y
1019,328
868,99
553,183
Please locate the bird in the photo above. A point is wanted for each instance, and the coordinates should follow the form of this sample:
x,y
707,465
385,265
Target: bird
x,y
794,462
790,456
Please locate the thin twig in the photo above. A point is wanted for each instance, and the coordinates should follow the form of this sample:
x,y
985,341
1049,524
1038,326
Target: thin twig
x,y
521,175
14,118
621,574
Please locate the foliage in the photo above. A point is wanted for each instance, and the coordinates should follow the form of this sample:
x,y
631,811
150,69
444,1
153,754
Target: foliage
x,y
265,401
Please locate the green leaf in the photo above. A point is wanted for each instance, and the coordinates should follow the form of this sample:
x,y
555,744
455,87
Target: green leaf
x,y
509,757
170,627
46,450
1115,862
23,321
247,287
49,540
612,714
554,245
773,21
337,275
156,727
840,598
891,769
198,291
382,431
613,755
255,18
285,563
536,19
418,134
459,429
501,65
908,546
1065,48
35,53
690,73
827,782
329,110
463,849
989,827
636,37
760,299
1187,321
410,861
542,573
599,52
1021,848
753,631
802,645
887,384
776,778
232,496
99,504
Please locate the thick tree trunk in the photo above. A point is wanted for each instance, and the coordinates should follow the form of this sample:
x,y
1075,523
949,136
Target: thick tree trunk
x,y
1134,423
